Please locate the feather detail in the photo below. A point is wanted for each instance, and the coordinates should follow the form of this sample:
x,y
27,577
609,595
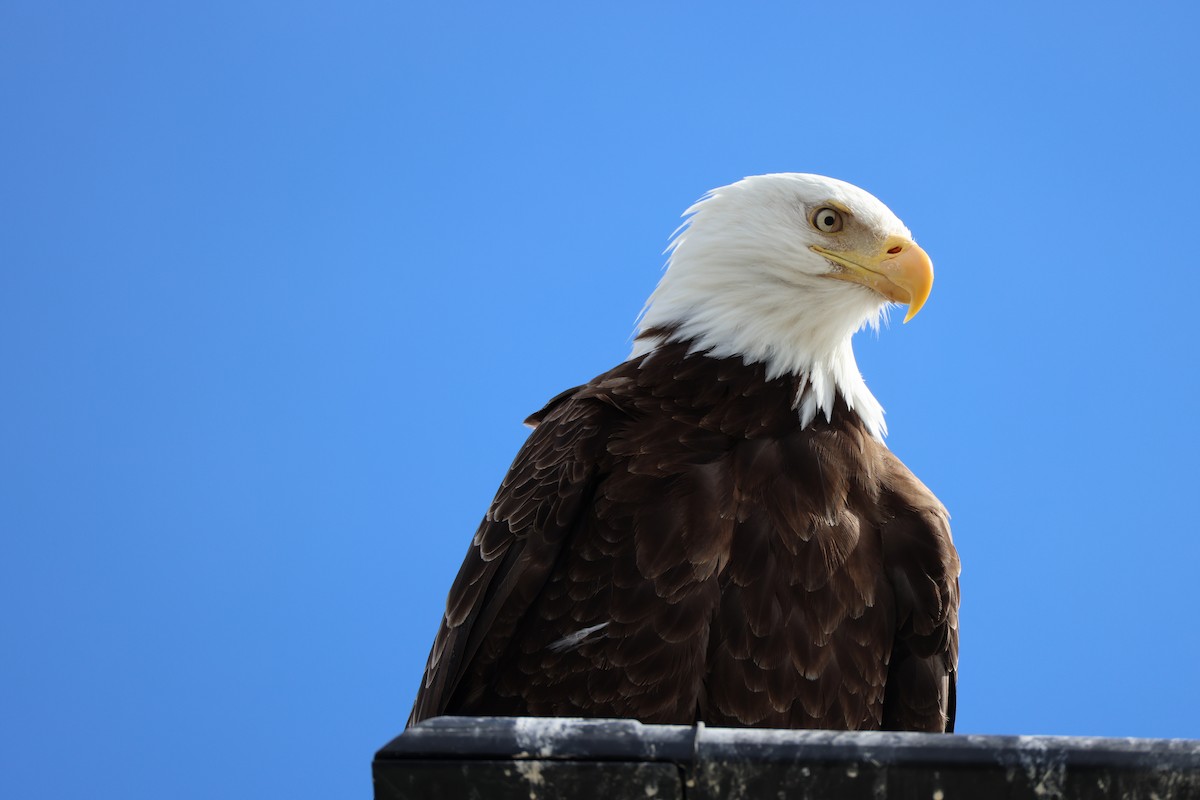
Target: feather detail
x,y
673,544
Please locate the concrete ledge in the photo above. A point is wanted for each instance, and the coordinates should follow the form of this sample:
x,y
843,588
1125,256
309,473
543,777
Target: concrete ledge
x,y
501,758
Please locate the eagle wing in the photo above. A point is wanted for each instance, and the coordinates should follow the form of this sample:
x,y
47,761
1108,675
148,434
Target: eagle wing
x,y
516,546
923,569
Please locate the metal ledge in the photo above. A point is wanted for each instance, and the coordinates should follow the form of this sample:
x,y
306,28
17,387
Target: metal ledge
x,y
501,758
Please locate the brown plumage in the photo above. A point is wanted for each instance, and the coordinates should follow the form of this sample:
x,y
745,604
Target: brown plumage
x,y
675,543
750,572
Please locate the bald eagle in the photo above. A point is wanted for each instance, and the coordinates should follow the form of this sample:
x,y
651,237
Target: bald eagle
x,y
714,529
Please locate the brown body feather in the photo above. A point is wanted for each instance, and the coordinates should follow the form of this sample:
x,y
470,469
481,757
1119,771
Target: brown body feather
x,y
745,571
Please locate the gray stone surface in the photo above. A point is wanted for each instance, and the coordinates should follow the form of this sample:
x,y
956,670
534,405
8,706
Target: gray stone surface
x,y
615,759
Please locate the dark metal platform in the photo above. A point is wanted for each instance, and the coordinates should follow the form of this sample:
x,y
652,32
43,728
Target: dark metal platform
x,y
527,758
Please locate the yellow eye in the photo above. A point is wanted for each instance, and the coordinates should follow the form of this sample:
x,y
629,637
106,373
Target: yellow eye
x,y
827,220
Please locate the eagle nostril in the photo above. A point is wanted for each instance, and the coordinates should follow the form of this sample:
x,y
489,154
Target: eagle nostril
x,y
895,250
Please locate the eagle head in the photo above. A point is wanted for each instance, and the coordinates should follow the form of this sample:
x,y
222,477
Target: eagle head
x,y
782,269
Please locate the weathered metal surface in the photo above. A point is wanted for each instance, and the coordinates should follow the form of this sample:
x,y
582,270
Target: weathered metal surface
x,y
615,759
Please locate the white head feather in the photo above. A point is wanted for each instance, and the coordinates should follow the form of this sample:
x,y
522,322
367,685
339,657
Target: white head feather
x,y
741,280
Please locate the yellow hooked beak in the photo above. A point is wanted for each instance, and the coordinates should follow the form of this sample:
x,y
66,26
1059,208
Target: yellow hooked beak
x,y
900,271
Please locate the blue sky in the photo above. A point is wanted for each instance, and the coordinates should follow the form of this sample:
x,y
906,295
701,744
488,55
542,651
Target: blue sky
x,y
278,283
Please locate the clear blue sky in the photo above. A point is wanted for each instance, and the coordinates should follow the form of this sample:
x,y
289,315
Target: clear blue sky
x,y
278,283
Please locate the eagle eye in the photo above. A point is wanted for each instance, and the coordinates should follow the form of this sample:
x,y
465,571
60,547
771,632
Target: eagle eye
x,y
827,220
